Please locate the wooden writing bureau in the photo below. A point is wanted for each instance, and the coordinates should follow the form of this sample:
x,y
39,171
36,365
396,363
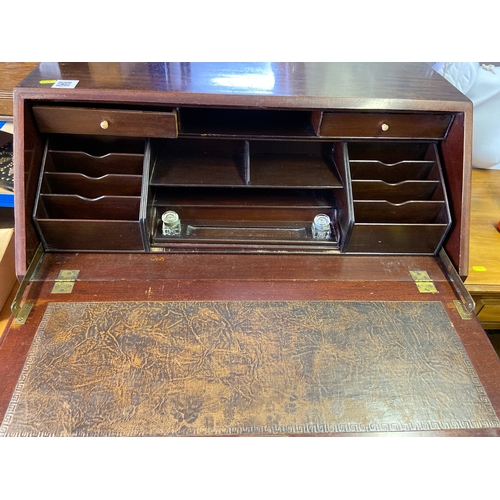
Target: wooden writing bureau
x,y
228,249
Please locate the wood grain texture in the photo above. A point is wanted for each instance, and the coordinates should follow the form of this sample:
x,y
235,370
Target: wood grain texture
x,y
484,269
296,85
397,125
5,313
11,73
224,268
483,281
66,120
232,368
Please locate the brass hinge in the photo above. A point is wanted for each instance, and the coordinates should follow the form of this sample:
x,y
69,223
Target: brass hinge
x,y
423,281
65,281
23,312
464,314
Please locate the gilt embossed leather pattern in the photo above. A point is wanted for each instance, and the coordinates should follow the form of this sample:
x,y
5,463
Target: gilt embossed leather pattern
x,y
232,368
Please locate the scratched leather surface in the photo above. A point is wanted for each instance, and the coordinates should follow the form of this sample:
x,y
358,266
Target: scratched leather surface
x,y
209,368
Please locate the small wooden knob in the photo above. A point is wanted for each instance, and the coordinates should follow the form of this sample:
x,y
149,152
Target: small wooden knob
x,y
104,124
385,127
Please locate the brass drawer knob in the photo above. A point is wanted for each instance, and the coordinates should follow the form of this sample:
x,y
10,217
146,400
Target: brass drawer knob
x,y
104,124
385,127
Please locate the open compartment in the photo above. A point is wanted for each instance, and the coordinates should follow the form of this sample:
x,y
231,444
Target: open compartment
x,y
243,194
245,122
293,165
399,201
200,162
89,194
236,163
394,193
243,216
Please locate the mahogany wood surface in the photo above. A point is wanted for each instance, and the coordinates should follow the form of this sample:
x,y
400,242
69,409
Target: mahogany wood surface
x,y
413,86
457,155
291,95
227,267
384,126
241,127
105,122
28,154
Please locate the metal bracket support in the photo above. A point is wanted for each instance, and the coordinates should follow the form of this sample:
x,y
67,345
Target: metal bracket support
x,y
21,312
462,292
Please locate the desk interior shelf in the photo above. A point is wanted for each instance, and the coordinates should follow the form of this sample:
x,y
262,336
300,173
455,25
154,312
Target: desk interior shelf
x,y
90,196
215,122
241,181
243,193
400,204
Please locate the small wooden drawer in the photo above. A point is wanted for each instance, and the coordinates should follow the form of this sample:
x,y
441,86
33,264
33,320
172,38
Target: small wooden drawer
x,y
488,311
112,122
384,125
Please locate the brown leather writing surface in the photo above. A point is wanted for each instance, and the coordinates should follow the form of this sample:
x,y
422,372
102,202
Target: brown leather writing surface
x,y
218,368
